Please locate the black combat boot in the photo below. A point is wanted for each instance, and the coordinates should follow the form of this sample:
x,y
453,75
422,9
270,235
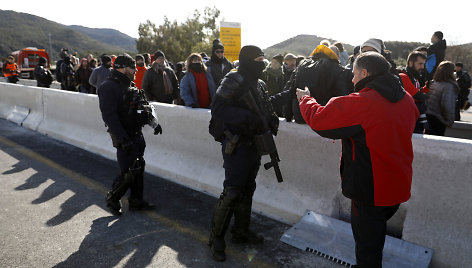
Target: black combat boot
x,y
240,233
119,188
220,222
135,200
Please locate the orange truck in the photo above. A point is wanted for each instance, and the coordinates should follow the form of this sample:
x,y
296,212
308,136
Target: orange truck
x,y
27,59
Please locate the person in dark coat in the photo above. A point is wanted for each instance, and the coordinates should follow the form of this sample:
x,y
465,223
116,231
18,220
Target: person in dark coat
x,y
464,82
322,74
441,99
82,76
125,111
274,78
218,65
241,163
67,74
42,74
159,82
436,53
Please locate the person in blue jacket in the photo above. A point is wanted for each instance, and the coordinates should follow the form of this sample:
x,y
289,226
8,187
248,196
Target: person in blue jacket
x,y
197,87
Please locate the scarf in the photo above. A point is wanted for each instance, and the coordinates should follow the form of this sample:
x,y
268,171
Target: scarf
x,y
165,78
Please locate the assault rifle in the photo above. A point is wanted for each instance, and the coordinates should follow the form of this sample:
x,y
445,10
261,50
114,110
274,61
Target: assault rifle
x,y
264,142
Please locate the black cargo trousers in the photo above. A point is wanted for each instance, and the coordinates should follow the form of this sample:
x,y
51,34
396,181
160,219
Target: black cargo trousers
x,y
369,226
132,165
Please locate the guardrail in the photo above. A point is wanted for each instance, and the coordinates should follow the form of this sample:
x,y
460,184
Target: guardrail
x,y
437,216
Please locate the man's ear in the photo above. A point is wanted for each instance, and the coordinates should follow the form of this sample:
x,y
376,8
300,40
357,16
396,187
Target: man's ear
x,y
364,73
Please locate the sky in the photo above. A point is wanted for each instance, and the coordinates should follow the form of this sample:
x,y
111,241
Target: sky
x,y
266,23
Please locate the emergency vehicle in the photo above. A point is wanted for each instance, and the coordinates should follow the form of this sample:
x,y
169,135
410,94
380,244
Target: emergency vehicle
x,y
27,59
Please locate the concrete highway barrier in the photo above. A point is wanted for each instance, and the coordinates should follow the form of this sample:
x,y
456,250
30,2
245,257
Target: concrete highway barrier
x,y
437,216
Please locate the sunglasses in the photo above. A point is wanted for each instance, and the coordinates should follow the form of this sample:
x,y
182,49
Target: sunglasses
x,y
219,51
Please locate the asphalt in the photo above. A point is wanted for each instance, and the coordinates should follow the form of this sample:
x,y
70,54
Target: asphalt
x,y
53,214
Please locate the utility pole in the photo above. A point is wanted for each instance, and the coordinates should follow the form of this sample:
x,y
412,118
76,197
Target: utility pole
x,y
50,48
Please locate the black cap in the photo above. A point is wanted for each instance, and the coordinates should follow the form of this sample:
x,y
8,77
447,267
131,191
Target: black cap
x,y
42,60
158,54
250,52
124,61
105,59
217,45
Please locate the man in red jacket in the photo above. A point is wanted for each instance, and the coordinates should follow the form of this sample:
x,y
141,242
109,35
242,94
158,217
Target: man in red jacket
x,y
411,80
376,125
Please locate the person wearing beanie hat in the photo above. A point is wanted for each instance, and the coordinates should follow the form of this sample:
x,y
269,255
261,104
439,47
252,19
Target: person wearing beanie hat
x,y
42,74
158,54
377,45
218,65
235,124
100,74
373,44
125,111
274,78
141,70
159,82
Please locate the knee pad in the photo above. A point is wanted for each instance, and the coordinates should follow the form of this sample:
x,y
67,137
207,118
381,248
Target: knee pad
x,y
231,195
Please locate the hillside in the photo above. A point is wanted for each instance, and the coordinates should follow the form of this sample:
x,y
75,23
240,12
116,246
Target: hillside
x,y
299,45
20,30
304,44
108,36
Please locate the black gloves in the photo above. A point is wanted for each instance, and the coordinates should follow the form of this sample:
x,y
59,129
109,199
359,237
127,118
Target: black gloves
x,y
158,129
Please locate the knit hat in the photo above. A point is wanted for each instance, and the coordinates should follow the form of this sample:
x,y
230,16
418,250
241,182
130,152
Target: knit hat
x,y
279,58
290,56
105,59
322,49
158,54
124,61
216,45
139,57
42,61
376,44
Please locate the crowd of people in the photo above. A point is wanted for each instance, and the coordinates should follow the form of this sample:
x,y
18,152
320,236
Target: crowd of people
x,y
193,82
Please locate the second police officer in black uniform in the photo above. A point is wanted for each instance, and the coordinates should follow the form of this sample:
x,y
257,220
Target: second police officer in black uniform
x,y
125,111
242,107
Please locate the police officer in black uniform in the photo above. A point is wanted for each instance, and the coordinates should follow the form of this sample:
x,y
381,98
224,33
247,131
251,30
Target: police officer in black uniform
x,y
233,107
125,111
